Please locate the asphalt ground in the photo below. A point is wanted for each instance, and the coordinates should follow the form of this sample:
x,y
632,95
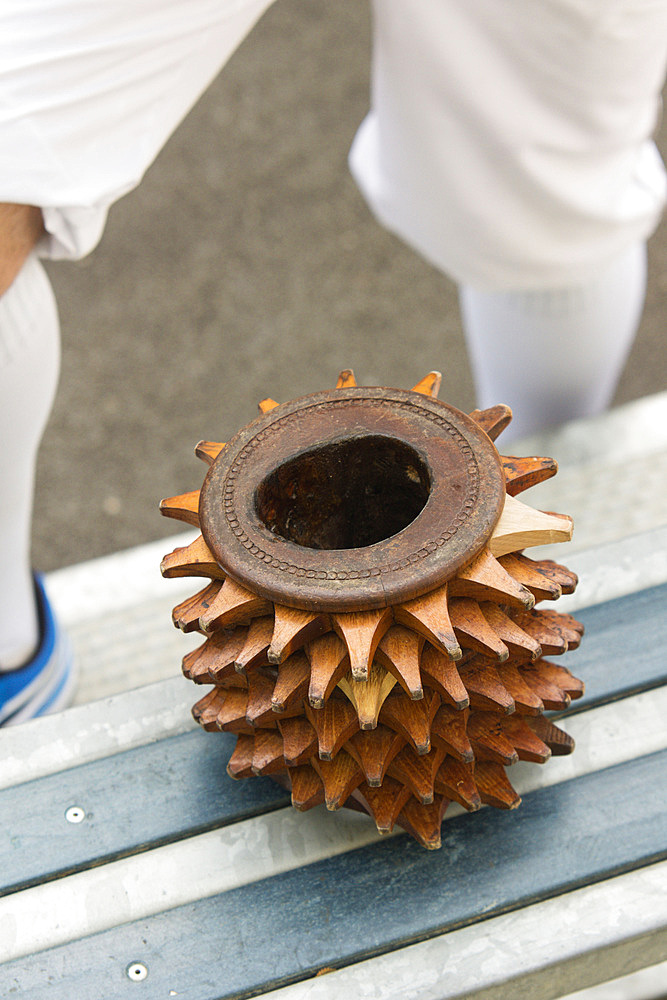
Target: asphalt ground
x,y
246,265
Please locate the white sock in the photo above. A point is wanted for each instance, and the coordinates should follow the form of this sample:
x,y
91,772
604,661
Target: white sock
x,y
29,368
554,354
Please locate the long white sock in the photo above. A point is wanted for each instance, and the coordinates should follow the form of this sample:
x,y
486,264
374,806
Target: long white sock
x,y
29,369
554,354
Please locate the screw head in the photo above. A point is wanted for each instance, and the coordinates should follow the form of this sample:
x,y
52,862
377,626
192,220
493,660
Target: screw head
x,y
75,814
136,971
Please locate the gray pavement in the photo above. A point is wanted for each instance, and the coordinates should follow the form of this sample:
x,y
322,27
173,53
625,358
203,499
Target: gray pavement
x,y
246,265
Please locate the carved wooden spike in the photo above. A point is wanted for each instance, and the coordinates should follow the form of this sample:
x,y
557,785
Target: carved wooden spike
x,y
442,675
382,804
485,579
328,663
182,508
368,696
374,751
522,473
563,679
361,631
485,688
214,660
186,615
417,772
486,732
299,740
399,653
565,578
307,787
559,742
527,743
195,559
564,625
292,684
346,379
293,629
448,730
340,777
232,713
473,631
334,724
554,697
208,451
534,623
260,690
412,719
525,571
521,526
494,786
205,711
429,615
233,605
429,385
424,822
456,780
521,645
254,652
266,405
268,755
494,420
525,699
240,762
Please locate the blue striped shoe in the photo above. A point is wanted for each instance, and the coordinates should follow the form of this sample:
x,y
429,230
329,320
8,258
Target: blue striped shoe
x,y
46,683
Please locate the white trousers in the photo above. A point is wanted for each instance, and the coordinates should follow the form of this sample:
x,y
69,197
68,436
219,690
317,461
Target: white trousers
x,y
508,142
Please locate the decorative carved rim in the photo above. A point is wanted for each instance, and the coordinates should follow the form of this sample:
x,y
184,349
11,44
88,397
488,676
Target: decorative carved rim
x,y
463,506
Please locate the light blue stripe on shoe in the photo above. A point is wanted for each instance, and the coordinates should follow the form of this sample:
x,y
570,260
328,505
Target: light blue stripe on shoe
x,y
30,690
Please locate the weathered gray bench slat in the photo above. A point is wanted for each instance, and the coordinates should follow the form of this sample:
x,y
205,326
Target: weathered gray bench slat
x,y
178,787
372,900
133,801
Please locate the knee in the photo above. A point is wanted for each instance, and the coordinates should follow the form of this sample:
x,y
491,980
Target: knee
x,y
21,228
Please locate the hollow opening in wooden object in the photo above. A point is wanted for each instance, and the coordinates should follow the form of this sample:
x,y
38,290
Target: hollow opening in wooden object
x,y
346,494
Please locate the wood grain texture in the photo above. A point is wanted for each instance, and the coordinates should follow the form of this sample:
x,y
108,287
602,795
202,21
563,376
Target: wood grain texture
x,y
233,605
429,385
208,451
521,527
184,507
195,559
361,631
487,579
368,696
523,472
493,420
429,616
293,629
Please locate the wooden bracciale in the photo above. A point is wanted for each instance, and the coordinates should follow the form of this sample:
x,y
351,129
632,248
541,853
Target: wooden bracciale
x,y
374,633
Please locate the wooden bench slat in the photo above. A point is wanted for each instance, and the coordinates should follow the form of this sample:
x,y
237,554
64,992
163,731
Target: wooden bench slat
x,y
373,900
133,801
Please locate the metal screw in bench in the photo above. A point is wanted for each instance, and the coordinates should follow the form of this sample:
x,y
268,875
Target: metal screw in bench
x,y
136,972
75,814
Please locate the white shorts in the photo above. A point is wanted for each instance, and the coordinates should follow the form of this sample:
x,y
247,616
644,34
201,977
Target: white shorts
x,y
509,143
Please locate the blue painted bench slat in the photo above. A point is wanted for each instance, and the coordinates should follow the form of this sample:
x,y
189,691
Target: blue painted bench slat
x,y
133,801
369,901
623,649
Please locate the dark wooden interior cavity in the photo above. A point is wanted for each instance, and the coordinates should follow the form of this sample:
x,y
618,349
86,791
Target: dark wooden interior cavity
x,y
347,494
